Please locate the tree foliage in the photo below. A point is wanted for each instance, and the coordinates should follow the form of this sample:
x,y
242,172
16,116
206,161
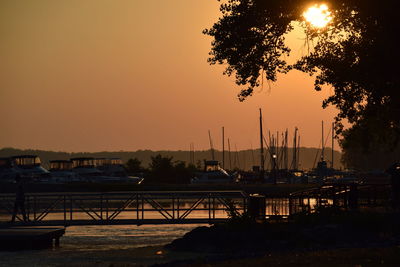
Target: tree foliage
x,y
165,170
356,54
134,166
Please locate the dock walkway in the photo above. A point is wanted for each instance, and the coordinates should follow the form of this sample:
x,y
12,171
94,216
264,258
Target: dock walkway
x,y
16,238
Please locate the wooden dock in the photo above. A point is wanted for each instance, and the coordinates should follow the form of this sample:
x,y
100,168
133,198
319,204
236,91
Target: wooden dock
x,y
17,238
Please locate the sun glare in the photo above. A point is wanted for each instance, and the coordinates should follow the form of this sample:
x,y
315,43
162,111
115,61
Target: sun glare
x,y
318,15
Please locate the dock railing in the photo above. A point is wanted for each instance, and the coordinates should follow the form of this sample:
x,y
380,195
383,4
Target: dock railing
x,y
182,207
142,207
344,196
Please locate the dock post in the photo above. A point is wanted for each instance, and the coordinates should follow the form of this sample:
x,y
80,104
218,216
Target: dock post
x,y
57,242
173,207
353,197
257,207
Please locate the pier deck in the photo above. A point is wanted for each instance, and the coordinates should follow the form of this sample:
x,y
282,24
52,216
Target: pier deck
x,y
15,238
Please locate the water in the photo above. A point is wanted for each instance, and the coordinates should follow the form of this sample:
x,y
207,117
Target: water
x,y
87,238
102,246
122,244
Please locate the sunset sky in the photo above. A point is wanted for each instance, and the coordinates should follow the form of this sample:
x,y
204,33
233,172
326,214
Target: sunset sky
x,y
96,75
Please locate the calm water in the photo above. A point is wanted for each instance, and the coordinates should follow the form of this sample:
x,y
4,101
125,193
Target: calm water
x,y
100,246
121,236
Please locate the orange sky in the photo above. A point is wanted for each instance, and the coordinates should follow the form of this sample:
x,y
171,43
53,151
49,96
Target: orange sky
x,y
95,75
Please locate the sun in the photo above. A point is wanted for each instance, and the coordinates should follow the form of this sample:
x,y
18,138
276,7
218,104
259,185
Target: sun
x,y
318,15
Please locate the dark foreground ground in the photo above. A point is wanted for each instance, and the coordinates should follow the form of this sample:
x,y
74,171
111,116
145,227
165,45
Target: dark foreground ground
x,y
327,238
356,257
159,256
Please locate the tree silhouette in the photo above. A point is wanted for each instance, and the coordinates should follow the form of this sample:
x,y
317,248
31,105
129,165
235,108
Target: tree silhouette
x,y
355,54
161,168
133,166
165,170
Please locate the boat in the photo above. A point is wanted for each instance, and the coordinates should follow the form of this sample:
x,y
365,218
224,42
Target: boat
x,y
61,171
212,174
115,170
102,170
85,168
29,167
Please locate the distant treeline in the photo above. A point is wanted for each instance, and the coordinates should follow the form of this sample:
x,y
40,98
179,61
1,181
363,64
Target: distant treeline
x,y
243,159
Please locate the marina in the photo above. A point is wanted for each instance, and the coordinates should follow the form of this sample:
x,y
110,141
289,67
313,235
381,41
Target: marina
x,y
199,133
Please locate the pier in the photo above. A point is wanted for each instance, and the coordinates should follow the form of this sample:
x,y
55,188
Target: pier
x,y
117,208
178,207
16,238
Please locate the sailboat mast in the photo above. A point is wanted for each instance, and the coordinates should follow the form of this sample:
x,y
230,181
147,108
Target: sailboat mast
x,y
261,148
298,153
211,146
223,147
237,158
323,145
286,150
190,154
294,161
333,139
252,153
229,155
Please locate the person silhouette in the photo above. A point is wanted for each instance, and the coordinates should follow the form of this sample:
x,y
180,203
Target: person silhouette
x,y
19,199
394,171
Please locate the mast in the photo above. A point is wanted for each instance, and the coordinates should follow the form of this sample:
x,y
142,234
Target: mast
x,y
211,146
277,153
191,154
294,161
323,145
244,159
237,157
333,139
223,147
252,154
298,153
286,151
229,155
261,149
